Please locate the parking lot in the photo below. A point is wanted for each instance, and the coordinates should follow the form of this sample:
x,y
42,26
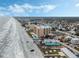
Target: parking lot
x,y
54,53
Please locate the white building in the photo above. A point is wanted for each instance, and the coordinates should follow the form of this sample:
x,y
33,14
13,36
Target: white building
x,y
75,40
60,26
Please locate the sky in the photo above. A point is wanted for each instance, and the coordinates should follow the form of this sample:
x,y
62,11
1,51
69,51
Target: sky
x,y
39,8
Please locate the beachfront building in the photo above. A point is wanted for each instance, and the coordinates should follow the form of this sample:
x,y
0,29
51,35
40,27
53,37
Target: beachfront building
x,y
41,30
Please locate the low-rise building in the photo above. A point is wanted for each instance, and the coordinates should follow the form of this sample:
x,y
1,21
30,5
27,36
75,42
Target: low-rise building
x,y
75,41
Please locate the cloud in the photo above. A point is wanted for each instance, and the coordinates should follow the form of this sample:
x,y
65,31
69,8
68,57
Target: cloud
x,y
17,9
77,5
4,13
1,14
47,8
29,8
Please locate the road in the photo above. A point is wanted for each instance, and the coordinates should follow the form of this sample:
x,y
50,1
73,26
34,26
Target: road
x,y
75,51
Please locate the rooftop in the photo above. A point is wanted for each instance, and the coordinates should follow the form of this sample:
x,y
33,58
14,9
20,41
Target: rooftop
x,y
43,26
52,42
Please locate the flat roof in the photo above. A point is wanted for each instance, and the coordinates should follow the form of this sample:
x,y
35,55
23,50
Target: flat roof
x,y
43,26
51,42
75,39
